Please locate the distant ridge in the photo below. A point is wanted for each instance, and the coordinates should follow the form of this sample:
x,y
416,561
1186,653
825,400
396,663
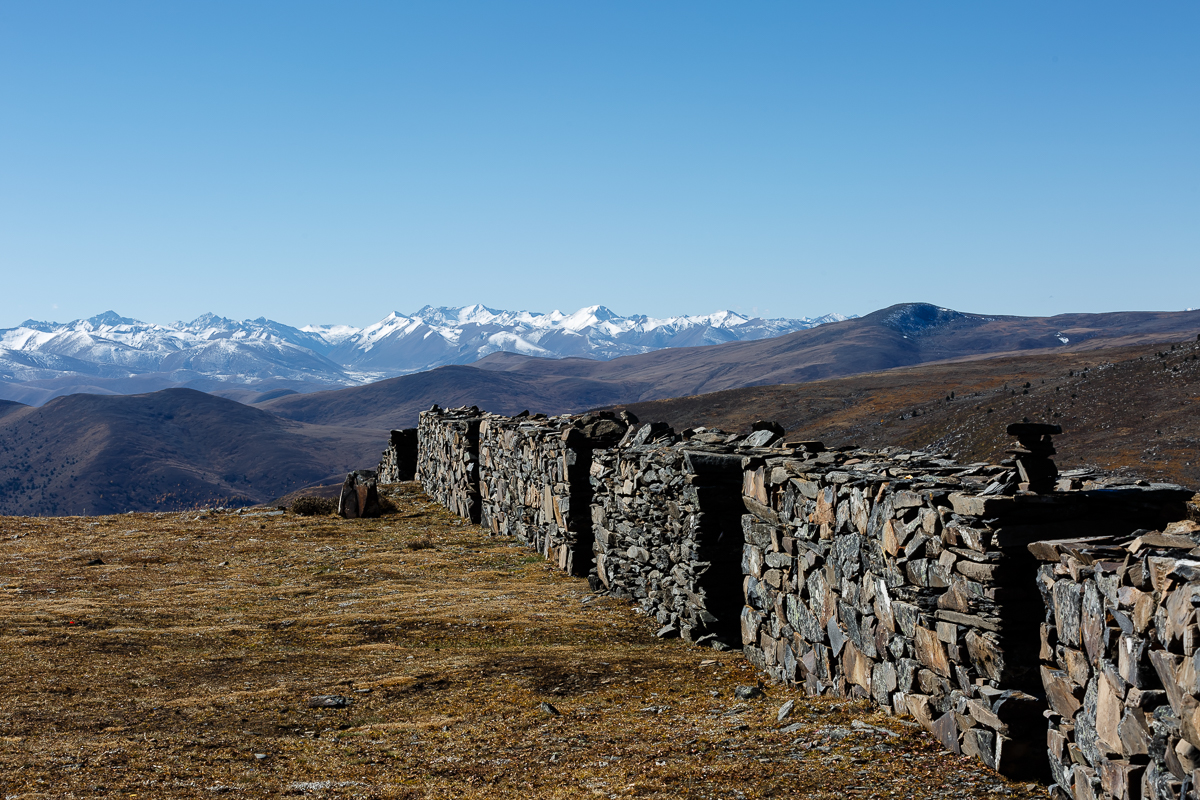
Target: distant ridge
x,y
901,335
251,359
180,448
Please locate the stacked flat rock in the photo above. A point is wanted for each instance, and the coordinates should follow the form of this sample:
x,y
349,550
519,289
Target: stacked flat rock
x,y
904,577
534,481
867,575
1120,662
1033,455
448,458
399,462
666,511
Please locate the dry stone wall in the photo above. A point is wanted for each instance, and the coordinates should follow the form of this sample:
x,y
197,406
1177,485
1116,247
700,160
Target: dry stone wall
x,y
905,577
399,462
1120,664
666,511
535,483
448,458
894,575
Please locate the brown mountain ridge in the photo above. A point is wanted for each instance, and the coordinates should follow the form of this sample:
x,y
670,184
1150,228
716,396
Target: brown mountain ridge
x,y
1130,410
169,450
902,335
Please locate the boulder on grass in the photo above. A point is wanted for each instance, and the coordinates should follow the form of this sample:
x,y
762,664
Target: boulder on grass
x,y
360,495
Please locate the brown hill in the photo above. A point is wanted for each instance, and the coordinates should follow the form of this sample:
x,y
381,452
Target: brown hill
x,y
396,402
168,450
902,335
1134,409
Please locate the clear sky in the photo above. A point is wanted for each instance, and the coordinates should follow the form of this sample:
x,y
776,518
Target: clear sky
x,y
331,162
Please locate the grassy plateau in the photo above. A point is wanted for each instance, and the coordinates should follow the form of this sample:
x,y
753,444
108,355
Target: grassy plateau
x,y
178,656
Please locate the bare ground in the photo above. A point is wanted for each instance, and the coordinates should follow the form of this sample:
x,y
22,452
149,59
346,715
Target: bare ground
x,y
183,666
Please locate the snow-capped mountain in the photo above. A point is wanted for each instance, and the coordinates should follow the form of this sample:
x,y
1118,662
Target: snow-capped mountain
x,y
111,353
109,345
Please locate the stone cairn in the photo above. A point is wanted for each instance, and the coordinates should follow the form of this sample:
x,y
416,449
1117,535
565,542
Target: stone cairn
x,y
534,480
448,458
667,513
1120,653
905,577
360,496
1032,455
399,462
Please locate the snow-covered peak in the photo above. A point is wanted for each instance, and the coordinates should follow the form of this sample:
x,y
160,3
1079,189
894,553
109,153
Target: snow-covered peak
x,y
334,334
586,317
111,319
727,319
447,317
246,351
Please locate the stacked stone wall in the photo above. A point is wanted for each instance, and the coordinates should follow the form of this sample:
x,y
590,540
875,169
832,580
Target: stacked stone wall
x,y
666,511
399,462
535,483
448,458
1120,651
906,578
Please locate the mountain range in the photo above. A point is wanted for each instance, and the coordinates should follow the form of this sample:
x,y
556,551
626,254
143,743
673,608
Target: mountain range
x,y
902,335
178,448
253,360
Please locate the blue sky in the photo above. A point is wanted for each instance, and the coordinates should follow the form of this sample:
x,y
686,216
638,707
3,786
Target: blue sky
x,y
331,162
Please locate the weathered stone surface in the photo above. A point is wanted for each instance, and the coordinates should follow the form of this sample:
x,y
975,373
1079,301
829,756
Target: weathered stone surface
x,y
931,651
359,497
1101,665
448,458
673,538
946,731
535,483
889,574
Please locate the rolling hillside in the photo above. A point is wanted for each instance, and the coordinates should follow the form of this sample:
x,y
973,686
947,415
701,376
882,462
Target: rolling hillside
x,y
169,450
1134,410
900,336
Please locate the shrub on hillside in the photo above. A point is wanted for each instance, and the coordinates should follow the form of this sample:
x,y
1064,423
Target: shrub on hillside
x,y
313,506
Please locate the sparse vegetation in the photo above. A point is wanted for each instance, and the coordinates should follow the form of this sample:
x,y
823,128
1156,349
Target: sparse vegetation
x,y
182,667
422,542
313,506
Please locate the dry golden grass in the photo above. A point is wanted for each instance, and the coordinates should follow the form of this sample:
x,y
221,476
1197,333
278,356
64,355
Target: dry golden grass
x,y
182,667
